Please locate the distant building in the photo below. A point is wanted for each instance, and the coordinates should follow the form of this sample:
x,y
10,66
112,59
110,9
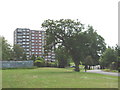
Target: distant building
x,y
33,42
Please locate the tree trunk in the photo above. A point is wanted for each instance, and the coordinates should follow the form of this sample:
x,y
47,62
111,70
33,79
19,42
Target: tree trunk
x,y
77,69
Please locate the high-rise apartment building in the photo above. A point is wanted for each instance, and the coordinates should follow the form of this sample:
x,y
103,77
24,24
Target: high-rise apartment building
x,y
33,42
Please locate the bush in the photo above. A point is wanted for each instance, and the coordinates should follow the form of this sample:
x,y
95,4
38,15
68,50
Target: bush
x,y
39,62
51,64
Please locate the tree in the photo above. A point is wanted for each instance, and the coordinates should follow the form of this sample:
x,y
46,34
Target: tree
x,y
108,58
88,61
33,57
18,52
62,57
6,49
72,35
117,49
93,47
24,56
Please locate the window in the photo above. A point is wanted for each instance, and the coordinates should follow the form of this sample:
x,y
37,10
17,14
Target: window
x,y
39,49
33,31
27,52
27,43
36,46
27,33
40,43
20,43
27,39
49,56
36,43
27,49
39,37
36,52
19,30
39,40
24,33
32,43
33,50
23,36
27,36
19,40
40,53
23,42
23,46
23,39
36,37
27,46
19,33
42,32
19,36
32,46
33,40
33,37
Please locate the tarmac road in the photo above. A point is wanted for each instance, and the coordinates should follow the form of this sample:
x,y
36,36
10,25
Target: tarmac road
x,y
102,72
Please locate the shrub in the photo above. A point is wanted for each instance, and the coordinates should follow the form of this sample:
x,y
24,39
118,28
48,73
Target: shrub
x,y
39,62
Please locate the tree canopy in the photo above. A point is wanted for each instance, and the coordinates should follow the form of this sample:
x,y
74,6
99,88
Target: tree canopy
x,y
78,41
6,49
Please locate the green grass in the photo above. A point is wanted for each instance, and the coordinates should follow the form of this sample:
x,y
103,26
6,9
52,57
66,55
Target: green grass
x,y
55,78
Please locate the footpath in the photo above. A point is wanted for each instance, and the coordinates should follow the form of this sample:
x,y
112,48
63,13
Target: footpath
x,y
103,72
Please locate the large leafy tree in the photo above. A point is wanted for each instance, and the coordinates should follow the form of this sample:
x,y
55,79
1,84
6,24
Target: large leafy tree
x,y
73,36
62,57
6,50
109,57
93,48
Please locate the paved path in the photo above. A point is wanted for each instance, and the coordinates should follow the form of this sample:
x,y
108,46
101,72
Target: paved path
x,y
102,72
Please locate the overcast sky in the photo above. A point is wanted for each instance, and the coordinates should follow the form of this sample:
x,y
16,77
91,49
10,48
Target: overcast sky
x,y
101,14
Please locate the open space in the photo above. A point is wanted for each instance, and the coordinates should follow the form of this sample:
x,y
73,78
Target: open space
x,y
55,78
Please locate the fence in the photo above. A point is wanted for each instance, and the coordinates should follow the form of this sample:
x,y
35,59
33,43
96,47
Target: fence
x,y
17,64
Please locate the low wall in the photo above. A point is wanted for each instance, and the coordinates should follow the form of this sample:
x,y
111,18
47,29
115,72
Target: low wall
x,y
17,64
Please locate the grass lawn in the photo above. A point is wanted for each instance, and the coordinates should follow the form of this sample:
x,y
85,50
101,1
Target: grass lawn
x,y
55,78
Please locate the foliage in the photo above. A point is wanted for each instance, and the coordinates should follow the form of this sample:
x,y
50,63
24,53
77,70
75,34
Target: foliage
x,y
40,62
18,52
62,57
51,64
9,53
108,58
33,57
77,41
6,49
95,46
24,56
